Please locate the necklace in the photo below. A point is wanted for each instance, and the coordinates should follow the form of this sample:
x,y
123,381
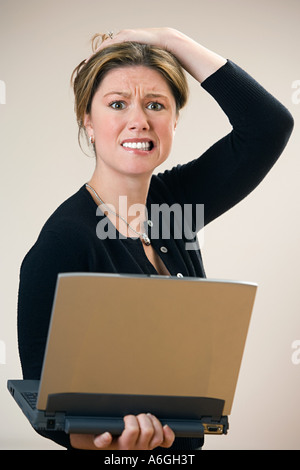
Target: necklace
x,y
143,236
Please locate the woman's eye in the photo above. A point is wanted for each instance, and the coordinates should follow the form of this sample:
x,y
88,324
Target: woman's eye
x,y
155,106
117,105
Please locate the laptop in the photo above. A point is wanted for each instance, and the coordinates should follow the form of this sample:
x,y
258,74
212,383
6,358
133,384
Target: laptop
x,y
124,344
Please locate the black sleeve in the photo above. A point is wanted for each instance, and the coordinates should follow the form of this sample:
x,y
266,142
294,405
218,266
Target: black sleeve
x,y
38,275
230,169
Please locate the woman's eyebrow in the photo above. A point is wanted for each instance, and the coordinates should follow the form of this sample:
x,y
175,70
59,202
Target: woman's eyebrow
x,y
127,95
156,95
120,93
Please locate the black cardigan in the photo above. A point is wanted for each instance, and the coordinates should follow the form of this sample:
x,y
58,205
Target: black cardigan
x,y
220,178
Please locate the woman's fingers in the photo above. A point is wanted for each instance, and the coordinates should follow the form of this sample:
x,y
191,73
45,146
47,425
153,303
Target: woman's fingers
x,y
169,436
150,433
158,435
103,441
130,435
142,432
154,36
139,432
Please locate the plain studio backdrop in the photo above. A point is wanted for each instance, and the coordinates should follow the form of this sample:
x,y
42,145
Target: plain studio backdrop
x,y
41,42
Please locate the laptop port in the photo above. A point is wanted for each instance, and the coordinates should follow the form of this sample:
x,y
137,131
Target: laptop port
x,y
50,424
213,428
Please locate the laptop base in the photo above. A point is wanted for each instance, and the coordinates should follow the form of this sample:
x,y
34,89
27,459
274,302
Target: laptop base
x,y
97,413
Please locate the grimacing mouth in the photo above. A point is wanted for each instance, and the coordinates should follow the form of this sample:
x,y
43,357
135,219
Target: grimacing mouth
x,y
139,144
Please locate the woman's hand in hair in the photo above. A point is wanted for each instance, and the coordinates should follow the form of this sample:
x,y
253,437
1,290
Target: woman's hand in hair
x,y
196,59
160,37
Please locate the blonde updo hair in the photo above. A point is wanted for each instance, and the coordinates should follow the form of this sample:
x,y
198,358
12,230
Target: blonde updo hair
x,y
88,75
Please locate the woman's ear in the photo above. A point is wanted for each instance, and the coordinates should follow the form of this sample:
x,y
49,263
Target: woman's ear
x,y
89,130
176,121
88,125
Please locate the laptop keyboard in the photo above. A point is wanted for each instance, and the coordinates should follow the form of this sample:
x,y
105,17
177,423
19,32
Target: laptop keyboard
x,y
31,398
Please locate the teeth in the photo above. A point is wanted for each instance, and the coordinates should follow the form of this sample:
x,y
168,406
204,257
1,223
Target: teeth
x,y
137,145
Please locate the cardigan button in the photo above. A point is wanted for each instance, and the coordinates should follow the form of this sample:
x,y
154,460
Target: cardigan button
x,y
163,249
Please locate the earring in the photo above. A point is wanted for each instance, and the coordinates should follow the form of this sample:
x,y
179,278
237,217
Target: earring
x,y
91,140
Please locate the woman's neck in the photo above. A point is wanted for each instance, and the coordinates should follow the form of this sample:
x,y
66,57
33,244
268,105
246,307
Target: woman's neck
x,y
125,195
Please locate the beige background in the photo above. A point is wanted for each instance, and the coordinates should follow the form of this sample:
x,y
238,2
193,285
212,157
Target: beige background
x,y
41,165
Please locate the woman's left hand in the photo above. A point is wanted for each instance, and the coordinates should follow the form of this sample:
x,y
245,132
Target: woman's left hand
x,y
159,37
197,60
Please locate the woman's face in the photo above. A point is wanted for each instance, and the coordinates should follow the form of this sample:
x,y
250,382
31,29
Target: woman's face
x,y
133,118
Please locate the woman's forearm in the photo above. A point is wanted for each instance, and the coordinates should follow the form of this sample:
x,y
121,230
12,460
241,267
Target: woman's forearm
x,y
196,59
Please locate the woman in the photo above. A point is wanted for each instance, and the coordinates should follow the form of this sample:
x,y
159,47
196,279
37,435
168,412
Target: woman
x,y
128,95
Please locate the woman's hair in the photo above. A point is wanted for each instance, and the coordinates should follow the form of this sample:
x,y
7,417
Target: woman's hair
x,y
88,75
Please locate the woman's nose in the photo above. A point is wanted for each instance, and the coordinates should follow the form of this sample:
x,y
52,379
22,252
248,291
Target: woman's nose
x,y
138,119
